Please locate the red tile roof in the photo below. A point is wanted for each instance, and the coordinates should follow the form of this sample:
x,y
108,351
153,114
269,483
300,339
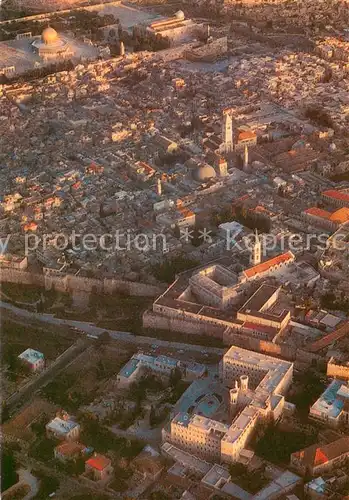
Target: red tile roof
x,y
337,195
246,134
316,455
318,212
341,216
259,328
320,457
268,264
331,337
185,212
99,462
70,449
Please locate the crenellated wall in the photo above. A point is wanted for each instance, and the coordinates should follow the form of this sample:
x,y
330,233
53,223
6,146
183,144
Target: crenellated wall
x,y
153,320
70,283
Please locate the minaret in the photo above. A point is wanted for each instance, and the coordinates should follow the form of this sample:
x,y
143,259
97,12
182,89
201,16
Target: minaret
x,y
222,167
159,187
244,382
246,158
227,132
256,251
233,401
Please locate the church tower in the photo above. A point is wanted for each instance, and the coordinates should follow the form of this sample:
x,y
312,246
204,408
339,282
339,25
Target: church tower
x,y
256,251
227,132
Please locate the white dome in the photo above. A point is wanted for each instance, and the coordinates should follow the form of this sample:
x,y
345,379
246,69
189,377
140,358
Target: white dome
x,y
180,15
204,173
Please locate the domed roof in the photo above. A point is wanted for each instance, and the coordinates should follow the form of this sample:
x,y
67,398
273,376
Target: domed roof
x,y
204,172
49,35
180,15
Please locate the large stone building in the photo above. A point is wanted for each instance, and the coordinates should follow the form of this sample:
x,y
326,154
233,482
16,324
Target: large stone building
x,y
162,365
51,46
257,384
176,29
209,295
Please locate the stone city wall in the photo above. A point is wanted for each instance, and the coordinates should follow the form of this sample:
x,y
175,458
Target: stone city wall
x,y
208,52
254,344
70,283
175,52
153,320
45,16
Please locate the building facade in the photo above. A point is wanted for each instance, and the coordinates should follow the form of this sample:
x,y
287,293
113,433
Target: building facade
x,y
269,379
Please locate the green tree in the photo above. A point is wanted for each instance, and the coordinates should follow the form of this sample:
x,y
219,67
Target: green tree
x,y
175,377
9,475
152,416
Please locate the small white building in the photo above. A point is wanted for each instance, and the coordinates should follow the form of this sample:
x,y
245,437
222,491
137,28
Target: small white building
x,y
332,406
62,427
32,358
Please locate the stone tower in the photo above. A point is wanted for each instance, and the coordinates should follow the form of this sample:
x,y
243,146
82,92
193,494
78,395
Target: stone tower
x,y
227,132
256,251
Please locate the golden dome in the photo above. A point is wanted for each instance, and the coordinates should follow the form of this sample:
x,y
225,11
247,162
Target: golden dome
x,y
49,35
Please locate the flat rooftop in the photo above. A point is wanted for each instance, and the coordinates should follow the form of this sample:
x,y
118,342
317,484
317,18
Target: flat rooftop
x,y
61,426
31,355
130,367
275,368
216,474
186,459
260,297
331,402
200,422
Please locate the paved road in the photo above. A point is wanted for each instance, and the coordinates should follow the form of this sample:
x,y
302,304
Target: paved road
x,y
92,329
74,485
28,478
41,379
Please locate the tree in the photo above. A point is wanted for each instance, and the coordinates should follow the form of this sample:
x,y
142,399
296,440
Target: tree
x,y
237,469
175,377
103,339
48,485
9,475
5,413
152,416
159,495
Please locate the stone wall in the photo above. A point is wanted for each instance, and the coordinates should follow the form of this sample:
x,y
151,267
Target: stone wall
x,y
153,320
43,17
71,283
254,344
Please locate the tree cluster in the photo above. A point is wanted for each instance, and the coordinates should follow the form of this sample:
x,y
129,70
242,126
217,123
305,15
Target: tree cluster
x,y
319,116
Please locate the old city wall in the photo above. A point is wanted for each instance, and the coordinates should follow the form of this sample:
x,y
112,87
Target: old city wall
x,y
45,16
153,320
70,283
174,52
254,344
21,277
